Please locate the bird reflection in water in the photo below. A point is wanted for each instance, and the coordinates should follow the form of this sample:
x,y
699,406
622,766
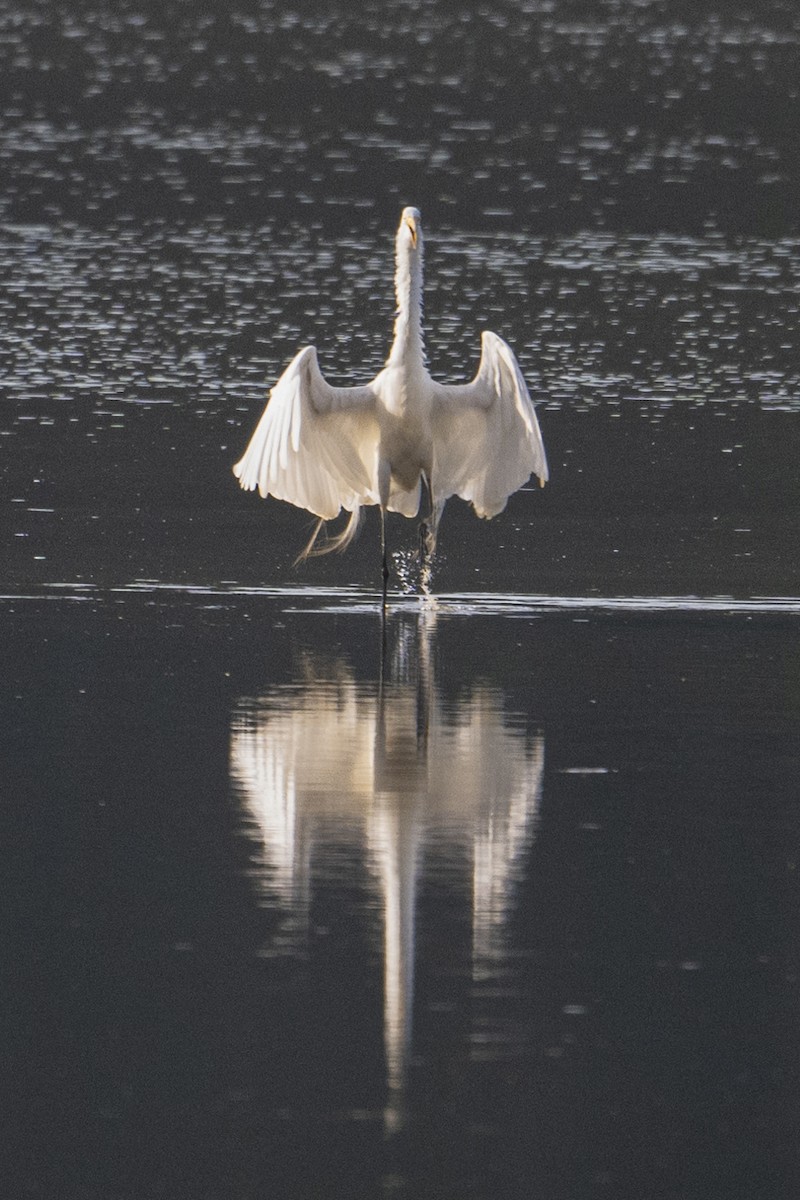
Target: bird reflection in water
x,y
389,765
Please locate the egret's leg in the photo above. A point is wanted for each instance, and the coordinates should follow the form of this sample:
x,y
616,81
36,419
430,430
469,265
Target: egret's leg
x,y
430,526
385,561
426,546
437,508
384,480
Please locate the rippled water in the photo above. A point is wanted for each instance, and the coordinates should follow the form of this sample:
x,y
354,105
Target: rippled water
x,y
655,114
191,196
136,369
200,318
497,898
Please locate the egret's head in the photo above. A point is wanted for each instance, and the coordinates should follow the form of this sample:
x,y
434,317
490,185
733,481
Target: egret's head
x,y
411,226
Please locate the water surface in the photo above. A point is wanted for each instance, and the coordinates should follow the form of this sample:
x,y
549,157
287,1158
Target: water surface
x,y
496,899
507,902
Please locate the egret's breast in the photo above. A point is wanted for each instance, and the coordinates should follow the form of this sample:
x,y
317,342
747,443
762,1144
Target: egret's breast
x,y
405,425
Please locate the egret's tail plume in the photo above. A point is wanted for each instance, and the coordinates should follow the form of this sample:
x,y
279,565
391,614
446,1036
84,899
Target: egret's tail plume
x,y
340,542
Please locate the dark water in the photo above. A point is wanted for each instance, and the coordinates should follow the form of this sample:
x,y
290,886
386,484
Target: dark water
x,y
500,901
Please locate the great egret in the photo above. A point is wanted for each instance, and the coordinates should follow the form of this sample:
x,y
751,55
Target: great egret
x,y
326,448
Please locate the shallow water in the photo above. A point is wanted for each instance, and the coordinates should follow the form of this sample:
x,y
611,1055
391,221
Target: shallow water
x,y
504,901
498,897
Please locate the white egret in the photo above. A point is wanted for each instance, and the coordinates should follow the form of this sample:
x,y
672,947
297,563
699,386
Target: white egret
x,y
326,448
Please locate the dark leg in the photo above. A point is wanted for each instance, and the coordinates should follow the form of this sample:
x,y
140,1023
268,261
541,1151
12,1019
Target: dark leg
x,y
385,567
427,530
427,539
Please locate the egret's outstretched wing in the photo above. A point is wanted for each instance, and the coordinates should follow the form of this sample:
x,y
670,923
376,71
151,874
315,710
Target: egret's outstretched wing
x,y
315,445
487,441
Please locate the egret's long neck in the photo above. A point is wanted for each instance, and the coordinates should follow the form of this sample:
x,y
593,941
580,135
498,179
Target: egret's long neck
x,y
408,347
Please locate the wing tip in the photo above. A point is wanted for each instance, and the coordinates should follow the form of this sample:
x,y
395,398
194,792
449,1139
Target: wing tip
x,y
248,481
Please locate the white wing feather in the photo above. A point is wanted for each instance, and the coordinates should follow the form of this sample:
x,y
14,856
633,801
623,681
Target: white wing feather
x,y
487,441
315,445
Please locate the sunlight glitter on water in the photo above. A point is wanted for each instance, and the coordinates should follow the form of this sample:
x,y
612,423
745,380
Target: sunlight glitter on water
x,y
356,601
684,319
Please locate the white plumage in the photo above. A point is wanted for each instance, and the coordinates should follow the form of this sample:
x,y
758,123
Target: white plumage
x,y
326,448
